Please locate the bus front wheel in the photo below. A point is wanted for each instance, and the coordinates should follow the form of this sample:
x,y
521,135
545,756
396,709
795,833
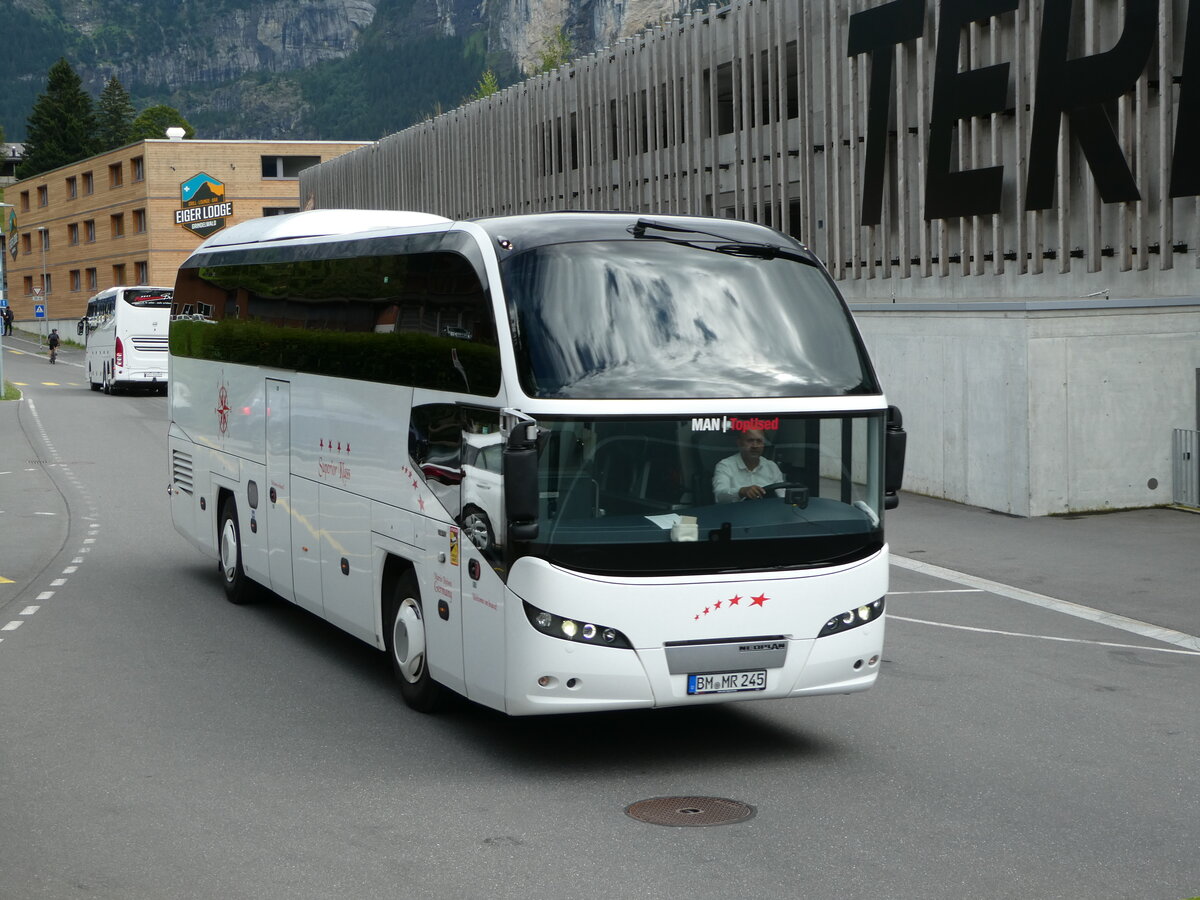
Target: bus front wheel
x,y
238,588
407,647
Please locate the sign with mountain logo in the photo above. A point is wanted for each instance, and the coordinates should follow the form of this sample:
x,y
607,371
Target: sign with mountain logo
x,y
205,208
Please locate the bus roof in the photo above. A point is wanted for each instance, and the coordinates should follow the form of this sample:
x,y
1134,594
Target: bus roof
x,y
318,223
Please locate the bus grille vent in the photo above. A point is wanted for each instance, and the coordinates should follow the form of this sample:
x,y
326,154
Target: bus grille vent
x,y
149,342
181,470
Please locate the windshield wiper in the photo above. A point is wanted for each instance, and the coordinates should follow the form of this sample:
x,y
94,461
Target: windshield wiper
x,y
729,246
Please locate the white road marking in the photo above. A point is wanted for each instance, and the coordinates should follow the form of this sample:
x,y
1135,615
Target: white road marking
x,y
12,626
70,570
951,591
58,582
1066,607
45,595
29,610
1044,637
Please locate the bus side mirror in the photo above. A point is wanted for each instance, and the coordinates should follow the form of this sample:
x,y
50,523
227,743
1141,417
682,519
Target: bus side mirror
x,y
895,442
521,481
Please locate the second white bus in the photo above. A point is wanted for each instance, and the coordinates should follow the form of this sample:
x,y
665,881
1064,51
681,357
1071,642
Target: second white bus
x,y
126,331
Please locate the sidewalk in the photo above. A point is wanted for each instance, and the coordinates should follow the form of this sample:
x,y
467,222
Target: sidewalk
x,y
1143,564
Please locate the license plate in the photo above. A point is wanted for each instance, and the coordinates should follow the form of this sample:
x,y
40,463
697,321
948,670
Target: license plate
x,y
727,682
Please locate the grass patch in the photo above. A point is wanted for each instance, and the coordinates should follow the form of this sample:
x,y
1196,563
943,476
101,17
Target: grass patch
x,y
10,392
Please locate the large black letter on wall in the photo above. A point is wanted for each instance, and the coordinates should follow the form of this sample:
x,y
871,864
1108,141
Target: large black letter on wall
x,y
877,32
1080,88
962,95
1185,166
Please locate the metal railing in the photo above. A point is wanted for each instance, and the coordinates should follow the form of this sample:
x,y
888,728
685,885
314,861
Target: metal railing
x,y
1185,467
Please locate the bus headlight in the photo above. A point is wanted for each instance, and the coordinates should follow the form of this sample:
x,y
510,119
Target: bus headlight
x,y
572,630
852,618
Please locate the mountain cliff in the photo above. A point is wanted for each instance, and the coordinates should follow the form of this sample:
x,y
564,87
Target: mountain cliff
x,y
321,69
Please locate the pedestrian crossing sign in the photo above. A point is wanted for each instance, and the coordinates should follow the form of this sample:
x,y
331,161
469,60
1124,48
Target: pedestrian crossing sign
x,y
39,311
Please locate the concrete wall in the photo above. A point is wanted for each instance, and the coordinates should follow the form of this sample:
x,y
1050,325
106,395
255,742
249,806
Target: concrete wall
x,y
1039,408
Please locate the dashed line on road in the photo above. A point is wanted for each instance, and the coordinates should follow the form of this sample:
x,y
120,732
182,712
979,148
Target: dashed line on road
x,y
1043,637
1066,607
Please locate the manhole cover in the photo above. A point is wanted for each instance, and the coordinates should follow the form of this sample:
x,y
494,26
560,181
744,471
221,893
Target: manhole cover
x,y
691,811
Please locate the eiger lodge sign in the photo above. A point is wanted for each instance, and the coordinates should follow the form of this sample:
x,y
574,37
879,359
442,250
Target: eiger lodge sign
x,y
1081,88
205,208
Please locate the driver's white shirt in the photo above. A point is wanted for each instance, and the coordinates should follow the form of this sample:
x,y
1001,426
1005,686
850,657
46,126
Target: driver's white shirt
x,y
731,475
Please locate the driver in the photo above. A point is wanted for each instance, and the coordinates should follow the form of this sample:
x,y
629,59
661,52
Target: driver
x,y
743,475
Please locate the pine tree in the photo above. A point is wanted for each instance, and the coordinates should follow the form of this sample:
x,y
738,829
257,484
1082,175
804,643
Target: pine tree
x,y
154,121
61,128
114,116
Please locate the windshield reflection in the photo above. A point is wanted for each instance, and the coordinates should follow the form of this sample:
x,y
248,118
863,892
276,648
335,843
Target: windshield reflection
x,y
637,319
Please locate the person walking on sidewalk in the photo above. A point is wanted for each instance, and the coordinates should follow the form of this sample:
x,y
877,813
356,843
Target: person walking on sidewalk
x,y
7,315
53,342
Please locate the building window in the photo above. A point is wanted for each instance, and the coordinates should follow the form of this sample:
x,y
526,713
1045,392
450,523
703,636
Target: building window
x,y
286,166
76,282
45,233
46,280
43,195
89,231
27,243
115,178
139,221
28,285
24,201
73,233
137,168
72,188
116,225
91,279
89,185
119,273
142,268
279,210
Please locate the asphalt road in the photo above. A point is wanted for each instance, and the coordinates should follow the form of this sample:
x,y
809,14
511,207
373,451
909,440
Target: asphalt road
x,y
1034,733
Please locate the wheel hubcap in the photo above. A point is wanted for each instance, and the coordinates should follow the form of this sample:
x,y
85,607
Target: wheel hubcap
x,y
229,550
408,641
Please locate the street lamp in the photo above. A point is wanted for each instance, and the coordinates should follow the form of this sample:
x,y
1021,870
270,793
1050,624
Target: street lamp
x,y
44,237
3,285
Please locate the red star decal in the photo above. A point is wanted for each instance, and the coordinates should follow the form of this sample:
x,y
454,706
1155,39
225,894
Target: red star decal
x,y
347,448
421,503
697,618
706,610
717,605
414,485
322,443
759,600
733,601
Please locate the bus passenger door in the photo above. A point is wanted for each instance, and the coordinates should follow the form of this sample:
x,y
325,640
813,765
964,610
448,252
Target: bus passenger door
x,y
442,604
279,479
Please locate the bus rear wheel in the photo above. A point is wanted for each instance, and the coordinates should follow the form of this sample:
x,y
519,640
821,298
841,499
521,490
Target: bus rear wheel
x,y
406,644
238,588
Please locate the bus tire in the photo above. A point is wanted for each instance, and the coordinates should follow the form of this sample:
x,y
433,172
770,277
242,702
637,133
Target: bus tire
x,y
405,638
238,588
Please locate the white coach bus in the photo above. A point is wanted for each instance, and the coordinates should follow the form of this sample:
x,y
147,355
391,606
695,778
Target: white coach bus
x,y
341,379
125,331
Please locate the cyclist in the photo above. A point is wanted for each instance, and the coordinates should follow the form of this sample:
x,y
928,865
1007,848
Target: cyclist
x,y
53,341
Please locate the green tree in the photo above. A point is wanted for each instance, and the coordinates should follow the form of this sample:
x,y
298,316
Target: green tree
x,y
487,86
114,116
557,51
61,128
154,121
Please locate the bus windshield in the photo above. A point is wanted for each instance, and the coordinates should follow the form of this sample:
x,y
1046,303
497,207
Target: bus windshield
x,y
641,318
665,496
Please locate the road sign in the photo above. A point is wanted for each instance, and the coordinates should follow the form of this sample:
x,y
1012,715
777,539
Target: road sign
x,y
3,303
37,292
39,311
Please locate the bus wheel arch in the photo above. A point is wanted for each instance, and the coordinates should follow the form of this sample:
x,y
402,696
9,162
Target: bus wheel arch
x,y
404,635
238,587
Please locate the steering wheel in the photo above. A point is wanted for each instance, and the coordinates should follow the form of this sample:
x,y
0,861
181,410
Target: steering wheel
x,y
779,485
